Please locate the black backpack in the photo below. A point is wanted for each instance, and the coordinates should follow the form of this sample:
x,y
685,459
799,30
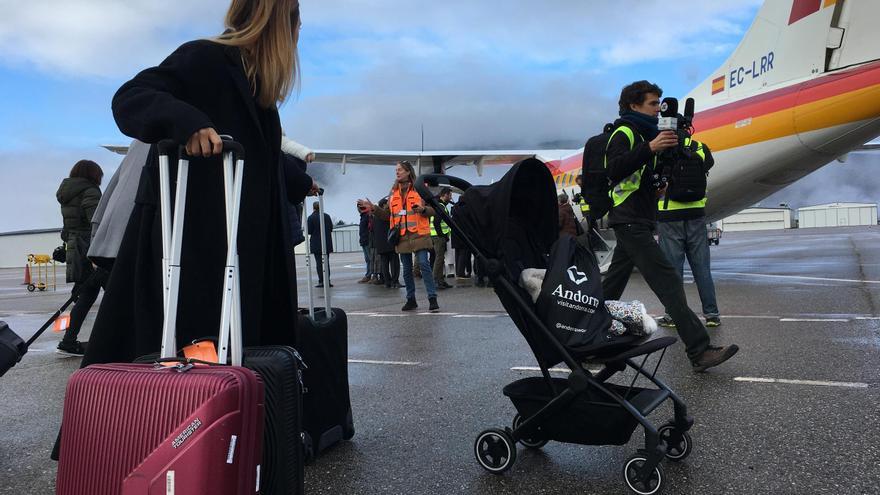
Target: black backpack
x,y
595,187
688,178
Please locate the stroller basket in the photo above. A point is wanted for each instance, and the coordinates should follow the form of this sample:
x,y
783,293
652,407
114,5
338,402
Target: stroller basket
x,y
592,418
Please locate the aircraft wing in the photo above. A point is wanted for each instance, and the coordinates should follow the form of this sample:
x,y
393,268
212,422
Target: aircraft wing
x,y
869,146
370,157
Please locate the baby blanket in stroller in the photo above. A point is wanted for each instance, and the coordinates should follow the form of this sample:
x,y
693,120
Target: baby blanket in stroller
x,y
571,304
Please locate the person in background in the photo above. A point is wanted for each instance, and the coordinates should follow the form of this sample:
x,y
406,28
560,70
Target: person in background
x,y
375,260
314,227
440,238
364,241
409,215
389,261
567,222
681,226
79,195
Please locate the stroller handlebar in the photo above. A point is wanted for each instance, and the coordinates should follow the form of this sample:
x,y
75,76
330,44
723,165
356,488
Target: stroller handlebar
x,y
435,179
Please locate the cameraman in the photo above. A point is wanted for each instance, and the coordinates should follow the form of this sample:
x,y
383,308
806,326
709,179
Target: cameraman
x,y
631,160
682,229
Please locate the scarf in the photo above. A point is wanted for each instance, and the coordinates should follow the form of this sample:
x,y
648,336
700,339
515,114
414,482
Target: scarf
x,y
646,125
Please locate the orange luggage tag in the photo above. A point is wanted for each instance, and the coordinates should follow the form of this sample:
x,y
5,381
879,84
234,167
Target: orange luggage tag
x,y
62,323
203,350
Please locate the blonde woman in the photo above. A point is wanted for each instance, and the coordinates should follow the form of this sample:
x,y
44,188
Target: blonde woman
x,y
231,84
410,217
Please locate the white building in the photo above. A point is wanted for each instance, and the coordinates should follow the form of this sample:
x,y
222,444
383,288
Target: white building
x,y
759,219
837,215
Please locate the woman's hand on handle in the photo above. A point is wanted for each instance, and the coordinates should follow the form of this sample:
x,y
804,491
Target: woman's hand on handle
x,y
204,142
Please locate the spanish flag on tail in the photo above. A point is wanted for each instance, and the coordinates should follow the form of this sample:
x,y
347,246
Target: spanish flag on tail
x,y
717,85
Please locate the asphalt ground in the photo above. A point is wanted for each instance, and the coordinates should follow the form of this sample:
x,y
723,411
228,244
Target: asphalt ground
x,y
796,411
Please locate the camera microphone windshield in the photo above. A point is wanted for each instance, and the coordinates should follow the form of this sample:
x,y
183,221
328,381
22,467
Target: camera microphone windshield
x,y
668,112
689,108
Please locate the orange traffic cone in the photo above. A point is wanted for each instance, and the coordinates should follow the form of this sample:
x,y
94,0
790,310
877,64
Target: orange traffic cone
x,y
27,275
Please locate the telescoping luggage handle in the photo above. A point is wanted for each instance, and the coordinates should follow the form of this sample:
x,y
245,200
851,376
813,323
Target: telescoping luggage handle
x,y
324,258
172,237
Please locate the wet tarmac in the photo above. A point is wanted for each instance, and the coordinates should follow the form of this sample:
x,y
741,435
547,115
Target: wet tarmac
x,y
796,411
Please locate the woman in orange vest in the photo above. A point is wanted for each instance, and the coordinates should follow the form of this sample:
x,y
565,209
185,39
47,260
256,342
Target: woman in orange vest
x,y
409,217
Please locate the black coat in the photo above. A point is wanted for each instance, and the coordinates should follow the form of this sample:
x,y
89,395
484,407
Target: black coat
x,y
364,230
202,84
315,228
380,236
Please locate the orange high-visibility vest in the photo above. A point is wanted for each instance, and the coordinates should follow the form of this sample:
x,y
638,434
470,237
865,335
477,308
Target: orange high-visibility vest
x,y
403,216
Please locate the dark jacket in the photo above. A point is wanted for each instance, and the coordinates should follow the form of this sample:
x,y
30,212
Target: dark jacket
x,y
623,161
314,226
202,84
364,230
79,198
380,236
567,220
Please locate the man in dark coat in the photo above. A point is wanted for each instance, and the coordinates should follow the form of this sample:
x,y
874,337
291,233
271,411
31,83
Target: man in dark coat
x,y
202,85
364,241
314,226
389,260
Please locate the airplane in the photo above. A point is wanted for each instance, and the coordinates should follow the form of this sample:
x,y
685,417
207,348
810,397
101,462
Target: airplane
x,y
801,89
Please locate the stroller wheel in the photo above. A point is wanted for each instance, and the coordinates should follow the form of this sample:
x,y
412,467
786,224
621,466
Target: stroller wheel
x,y
532,443
676,451
652,486
495,450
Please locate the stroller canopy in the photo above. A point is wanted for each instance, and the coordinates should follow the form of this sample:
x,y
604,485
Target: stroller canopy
x,y
515,219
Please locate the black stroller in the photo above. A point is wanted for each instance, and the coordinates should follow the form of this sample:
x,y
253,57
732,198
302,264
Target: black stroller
x,y
510,226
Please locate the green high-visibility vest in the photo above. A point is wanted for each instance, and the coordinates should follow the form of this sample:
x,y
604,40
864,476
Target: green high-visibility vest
x,y
585,207
686,205
629,185
443,227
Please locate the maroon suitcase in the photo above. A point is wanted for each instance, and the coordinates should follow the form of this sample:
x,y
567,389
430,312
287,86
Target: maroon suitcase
x,y
184,429
146,429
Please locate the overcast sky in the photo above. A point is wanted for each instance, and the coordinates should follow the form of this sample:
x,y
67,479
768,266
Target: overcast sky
x,y
475,74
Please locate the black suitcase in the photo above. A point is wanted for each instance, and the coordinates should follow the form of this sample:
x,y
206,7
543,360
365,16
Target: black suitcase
x,y
283,442
279,369
323,344
13,347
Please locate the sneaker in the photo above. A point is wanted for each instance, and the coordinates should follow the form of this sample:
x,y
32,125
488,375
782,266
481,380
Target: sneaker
x,y
364,280
713,321
666,321
68,348
433,306
319,286
713,356
410,305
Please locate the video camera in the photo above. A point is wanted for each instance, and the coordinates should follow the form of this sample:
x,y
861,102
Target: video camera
x,y
671,120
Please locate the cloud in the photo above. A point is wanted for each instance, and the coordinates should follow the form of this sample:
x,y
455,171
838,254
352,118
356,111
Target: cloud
x,y
99,38
852,182
109,38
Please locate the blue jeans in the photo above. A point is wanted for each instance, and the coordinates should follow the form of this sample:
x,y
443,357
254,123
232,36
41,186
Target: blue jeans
x,y
427,275
688,238
367,260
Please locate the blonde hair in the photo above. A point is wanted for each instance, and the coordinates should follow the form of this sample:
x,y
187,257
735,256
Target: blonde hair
x,y
267,33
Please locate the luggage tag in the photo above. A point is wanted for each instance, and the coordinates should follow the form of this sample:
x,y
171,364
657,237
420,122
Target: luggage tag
x,y
62,323
202,350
